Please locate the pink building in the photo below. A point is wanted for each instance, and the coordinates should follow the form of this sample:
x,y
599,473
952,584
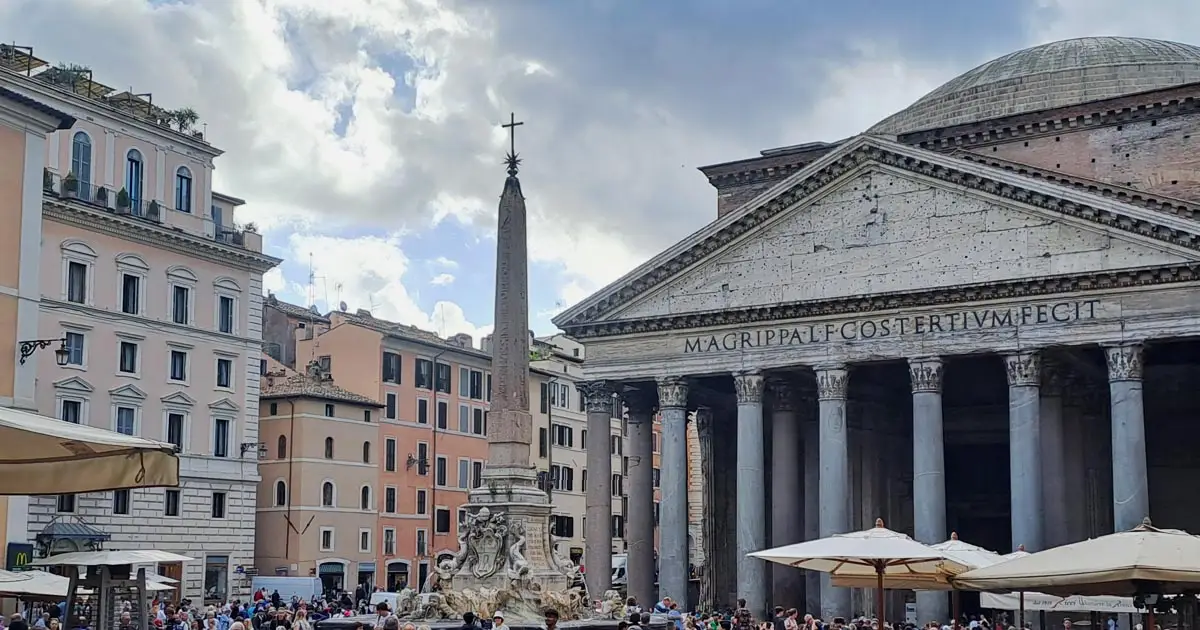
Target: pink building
x,y
157,297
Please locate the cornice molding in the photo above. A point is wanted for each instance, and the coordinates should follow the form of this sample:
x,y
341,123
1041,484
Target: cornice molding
x,y
132,229
1169,229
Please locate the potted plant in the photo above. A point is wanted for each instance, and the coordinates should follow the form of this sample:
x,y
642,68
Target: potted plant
x,y
154,212
251,227
123,201
71,185
47,180
102,196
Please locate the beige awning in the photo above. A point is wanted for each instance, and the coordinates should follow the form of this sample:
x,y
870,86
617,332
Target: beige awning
x,y
41,584
40,455
1108,565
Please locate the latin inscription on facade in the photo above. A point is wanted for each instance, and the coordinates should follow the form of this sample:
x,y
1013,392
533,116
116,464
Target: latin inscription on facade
x,y
895,326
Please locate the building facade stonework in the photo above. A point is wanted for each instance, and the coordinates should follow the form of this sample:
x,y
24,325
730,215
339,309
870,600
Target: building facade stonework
x,y
922,288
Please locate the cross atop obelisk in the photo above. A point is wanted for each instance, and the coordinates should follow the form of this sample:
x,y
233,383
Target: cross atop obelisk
x,y
512,159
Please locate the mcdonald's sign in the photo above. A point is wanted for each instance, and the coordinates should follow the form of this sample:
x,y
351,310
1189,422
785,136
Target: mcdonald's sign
x,y
18,556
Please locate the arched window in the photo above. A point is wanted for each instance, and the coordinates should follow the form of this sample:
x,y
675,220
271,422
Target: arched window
x,y
366,452
328,448
327,494
183,189
134,176
282,448
364,498
81,163
280,493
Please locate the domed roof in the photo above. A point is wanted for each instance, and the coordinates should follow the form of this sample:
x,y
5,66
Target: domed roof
x,y
1058,74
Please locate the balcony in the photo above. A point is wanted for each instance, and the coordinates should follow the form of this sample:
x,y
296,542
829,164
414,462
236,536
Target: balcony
x,y
148,210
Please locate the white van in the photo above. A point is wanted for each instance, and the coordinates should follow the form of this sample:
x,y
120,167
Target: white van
x,y
305,588
620,577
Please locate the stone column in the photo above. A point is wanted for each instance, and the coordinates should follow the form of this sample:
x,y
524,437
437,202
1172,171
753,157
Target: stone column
x,y
1131,494
812,504
640,520
834,479
1024,448
929,472
597,547
1056,523
673,512
787,504
751,492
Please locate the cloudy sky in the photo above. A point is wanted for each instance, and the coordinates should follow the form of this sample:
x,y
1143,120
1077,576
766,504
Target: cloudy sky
x,y
364,133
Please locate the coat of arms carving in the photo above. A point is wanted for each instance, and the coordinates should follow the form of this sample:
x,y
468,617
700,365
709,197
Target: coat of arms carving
x,y
482,544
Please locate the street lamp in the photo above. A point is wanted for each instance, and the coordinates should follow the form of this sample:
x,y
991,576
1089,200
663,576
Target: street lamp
x,y
61,354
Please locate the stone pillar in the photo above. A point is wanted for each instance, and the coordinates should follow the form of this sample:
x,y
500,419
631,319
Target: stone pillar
x,y
751,492
597,547
787,504
1056,523
812,505
1024,448
1131,494
673,512
834,479
640,520
714,571
929,473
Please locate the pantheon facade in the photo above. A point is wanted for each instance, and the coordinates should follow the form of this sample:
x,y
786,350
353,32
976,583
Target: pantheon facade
x,y
980,316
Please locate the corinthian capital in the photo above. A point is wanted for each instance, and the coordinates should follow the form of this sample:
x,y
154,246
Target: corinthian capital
x,y
672,392
832,382
1024,369
749,387
925,375
1124,362
597,396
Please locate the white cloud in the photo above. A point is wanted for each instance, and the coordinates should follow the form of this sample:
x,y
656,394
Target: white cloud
x,y
442,279
273,281
442,261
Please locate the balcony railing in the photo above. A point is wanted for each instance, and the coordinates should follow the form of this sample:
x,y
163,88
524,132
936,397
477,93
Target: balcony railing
x,y
150,210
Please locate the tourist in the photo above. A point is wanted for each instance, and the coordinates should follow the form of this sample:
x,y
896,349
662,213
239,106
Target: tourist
x,y
381,614
469,621
664,606
498,622
551,619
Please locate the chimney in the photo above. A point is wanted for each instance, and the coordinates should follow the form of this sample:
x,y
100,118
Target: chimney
x,y
485,344
463,340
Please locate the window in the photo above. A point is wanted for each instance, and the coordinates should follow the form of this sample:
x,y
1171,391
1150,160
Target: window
x,y
422,549
543,442
326,539
325,363
281,447
389,500
181,298
477,421
330,410
134,176
183,189
440,472
656,477
615,447
464,382
280,493
389,541
225,310
476,385
583,480
618,526
171,503
364,498
175,422
81,163
422,458
464,473
443,410
274,408
120,504
389,455
391,367
221,437
225,373
421,507
443,378
366,452
562,526
66,503
563,435
327,495
422,411
77,282
72,411
128,355
464,419
489,388
544,399
462,516
654,441
583,438
328,448
131,286
390,412
617,487
476,474
364,541
218,505
366,415
424,369
216,578
441,521
178,365
125,420
74,348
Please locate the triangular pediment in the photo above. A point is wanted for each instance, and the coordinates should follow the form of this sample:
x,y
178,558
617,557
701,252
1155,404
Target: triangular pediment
x,y
877,218
178,398
223,404
74,383
127,391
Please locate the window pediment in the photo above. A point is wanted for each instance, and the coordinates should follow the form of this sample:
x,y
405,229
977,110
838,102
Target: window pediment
x,y
74,383
78,248
224,404
127,391
228,284
179,399
132,261
181,273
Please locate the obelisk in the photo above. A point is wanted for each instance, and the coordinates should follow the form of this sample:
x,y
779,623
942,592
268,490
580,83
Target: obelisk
x,y
508,504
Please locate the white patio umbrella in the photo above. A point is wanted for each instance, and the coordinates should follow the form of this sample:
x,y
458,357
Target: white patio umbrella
x,y
40,455
971,556
40,584
878,552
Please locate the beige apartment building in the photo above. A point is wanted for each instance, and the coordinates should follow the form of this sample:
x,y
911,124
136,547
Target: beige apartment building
x,y
318,509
